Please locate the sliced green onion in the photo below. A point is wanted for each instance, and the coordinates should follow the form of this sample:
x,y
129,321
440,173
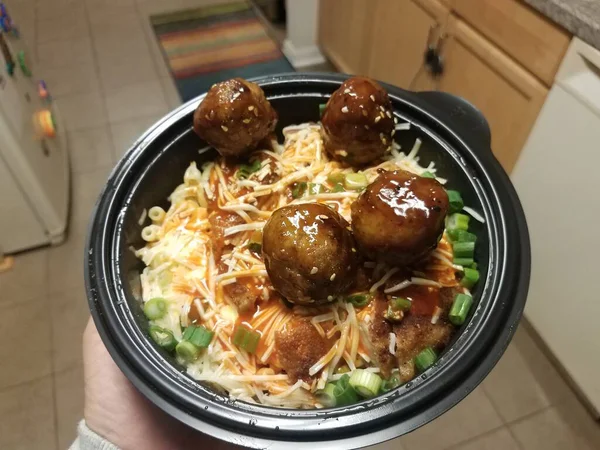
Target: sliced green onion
x,y
315,188
461,236
458,222
322,107
427,174
326,397
359,299
299,189
355,181
344,393
255,247
162,337
187,351
425,359
366,384
455,201
188,332
155,308
338,187
336,177
463,249
394,315
245,170
460,309
392,383
470,277
201,337
465,262
403,304
246,339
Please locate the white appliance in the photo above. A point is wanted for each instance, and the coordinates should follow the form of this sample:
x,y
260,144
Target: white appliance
x,y
558,180
34,168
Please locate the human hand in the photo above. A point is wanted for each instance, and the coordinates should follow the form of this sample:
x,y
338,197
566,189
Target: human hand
x,y
115,410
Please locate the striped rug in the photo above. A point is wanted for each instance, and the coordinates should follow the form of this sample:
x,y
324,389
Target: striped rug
x,y
215,43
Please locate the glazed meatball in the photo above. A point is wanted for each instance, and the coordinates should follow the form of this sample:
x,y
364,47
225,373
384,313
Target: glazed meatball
x,y
399,218
309,253
234,117
358,123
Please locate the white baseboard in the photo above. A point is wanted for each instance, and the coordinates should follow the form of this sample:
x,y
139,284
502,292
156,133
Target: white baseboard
x,y
302,56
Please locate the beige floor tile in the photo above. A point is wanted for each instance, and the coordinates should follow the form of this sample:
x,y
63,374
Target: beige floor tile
x,y
91,149
24,342
50,8
65,53
27,279
548,430
68,23
125,133
70,314
513,385
394,444
65,263
133,70
67,80
27,417
171,93
68,391
82,111
136,100
472,417
86,189
500,439
103,11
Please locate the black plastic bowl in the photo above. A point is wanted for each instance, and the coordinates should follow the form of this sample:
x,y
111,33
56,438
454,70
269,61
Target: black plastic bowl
x,y
455,136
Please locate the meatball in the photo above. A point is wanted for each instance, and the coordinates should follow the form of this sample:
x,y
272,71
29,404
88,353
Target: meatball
x,y
358,124
234,117
399,218
309,253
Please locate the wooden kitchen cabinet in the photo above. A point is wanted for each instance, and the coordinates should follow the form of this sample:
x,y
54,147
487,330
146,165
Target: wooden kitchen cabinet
x,y
509,96
399,41
344,32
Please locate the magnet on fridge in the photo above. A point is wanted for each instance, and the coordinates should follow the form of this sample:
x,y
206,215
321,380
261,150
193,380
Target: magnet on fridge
x,y
23,63
43,90
44,125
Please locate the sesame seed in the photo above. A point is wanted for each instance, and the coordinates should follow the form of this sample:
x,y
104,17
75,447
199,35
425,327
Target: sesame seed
x,y
332,277
395,120
366,127
322,217
206,116
256,112
314,270
393,132
382,109
343,153
246,120
389,114
224,128
377,119
364,113
346,91
250,108
330,297
372,97
353,250
345,109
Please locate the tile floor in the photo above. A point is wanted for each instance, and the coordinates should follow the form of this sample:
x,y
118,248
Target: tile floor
x,y
104,68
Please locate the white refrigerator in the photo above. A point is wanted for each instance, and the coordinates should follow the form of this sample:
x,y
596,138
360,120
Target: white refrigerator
x,y
34,164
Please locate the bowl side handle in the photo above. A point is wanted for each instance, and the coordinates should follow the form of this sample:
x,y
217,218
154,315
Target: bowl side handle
x,y
466,119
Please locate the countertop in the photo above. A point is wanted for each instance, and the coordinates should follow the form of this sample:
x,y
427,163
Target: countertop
x,y
580,17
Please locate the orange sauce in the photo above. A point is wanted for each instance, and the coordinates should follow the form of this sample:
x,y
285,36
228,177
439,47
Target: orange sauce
x,y
424,299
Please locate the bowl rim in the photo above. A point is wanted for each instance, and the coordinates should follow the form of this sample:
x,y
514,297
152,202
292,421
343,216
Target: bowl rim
x,y
261,425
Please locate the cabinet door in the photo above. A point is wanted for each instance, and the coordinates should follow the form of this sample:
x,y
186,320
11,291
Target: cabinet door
x,y
344,29
399,40
508,96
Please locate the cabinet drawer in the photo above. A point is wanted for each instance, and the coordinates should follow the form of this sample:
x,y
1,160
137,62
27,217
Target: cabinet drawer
x,y
534,41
